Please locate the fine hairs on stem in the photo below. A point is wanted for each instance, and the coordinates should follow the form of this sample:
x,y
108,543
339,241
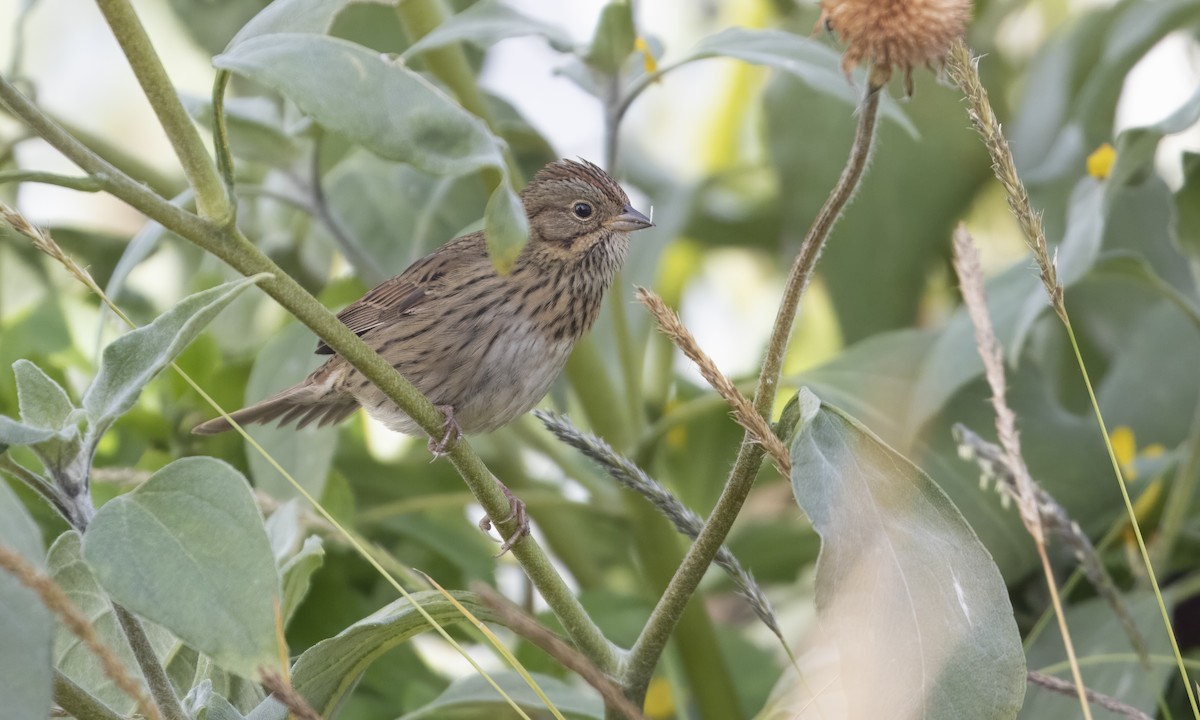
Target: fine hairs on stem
x,y
964,71
651,642
970,278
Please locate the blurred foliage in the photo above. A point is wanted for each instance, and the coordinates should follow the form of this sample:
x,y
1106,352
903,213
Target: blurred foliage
x,y
321,195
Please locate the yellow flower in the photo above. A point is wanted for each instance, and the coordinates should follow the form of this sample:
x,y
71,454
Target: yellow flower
x,y
1100,163
1124,445
648,60
659,703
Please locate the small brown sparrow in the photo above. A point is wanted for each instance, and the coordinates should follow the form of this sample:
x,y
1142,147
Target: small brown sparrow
x,y
483,347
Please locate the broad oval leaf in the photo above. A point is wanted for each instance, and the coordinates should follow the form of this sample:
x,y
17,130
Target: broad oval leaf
x,y
614,38
487,22
909,597
326,672
812,63
193,528
408,119
133,359
42,402
26,626
71,656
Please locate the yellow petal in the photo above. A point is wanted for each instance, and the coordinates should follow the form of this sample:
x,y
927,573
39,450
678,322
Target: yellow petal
x,y
648,60
1124,446
1100,163
659,703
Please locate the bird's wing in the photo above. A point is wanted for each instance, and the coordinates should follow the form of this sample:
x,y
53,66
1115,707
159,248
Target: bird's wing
x,y
393,298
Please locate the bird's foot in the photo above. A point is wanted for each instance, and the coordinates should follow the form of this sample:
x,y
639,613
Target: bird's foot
x,y
451,432
516,512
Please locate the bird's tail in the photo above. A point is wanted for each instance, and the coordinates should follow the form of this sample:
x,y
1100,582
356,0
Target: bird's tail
x,y
303,404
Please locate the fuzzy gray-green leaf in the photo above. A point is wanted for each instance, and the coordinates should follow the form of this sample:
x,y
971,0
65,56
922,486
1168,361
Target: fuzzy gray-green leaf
x,y
26,626
912,601
194,528
133,359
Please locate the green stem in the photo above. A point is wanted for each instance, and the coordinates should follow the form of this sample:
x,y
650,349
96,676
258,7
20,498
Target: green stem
x,y
87,183
81,704
160,685
181,131
1137,530
221,139
1179,498
653,638
229,245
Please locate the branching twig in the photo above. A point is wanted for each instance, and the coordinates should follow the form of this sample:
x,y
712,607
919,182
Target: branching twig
x,y
53,597
522,624
1105,701
283,691
757,429
970,278
683,518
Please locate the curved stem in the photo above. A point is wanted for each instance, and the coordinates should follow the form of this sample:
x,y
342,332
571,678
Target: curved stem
x,y
229,245
87,183
181,131
650,643
160,685
221,139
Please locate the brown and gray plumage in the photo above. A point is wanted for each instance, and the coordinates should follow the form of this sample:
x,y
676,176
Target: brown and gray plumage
x,y
482,346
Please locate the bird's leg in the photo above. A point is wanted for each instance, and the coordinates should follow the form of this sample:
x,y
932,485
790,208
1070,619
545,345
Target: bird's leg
x,y
516,512
451,432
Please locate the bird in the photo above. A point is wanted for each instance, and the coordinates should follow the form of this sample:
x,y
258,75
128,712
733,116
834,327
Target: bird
x,y
483,346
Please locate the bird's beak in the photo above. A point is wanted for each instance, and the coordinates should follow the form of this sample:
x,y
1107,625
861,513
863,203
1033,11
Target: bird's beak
x,y
629,220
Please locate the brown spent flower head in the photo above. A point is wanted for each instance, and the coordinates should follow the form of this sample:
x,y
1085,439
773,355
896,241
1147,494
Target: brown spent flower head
x,y
895,34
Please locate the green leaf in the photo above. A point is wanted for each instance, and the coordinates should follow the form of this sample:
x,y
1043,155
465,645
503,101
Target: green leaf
x,y
409,119
486,23
912,601
298,16
1187,207
25,624
1136,147
71,656
133,359
43,403
203,702
1097,634
817,66
297,575
254,129
505,226
474,697
614,38
327,672
397,212
194,528
15,433
307,454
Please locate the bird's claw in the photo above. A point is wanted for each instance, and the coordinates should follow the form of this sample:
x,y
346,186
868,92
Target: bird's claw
x,y
516,512
451,432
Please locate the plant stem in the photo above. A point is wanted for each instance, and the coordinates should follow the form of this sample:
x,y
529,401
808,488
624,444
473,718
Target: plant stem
x,y
86,183
1137,530
81,704
160,685
650,643
229,245
181,131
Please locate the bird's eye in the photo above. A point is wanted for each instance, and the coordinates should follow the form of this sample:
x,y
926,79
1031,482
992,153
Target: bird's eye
x,y
582,210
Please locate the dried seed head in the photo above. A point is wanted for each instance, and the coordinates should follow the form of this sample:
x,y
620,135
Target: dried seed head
x,y
895,34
